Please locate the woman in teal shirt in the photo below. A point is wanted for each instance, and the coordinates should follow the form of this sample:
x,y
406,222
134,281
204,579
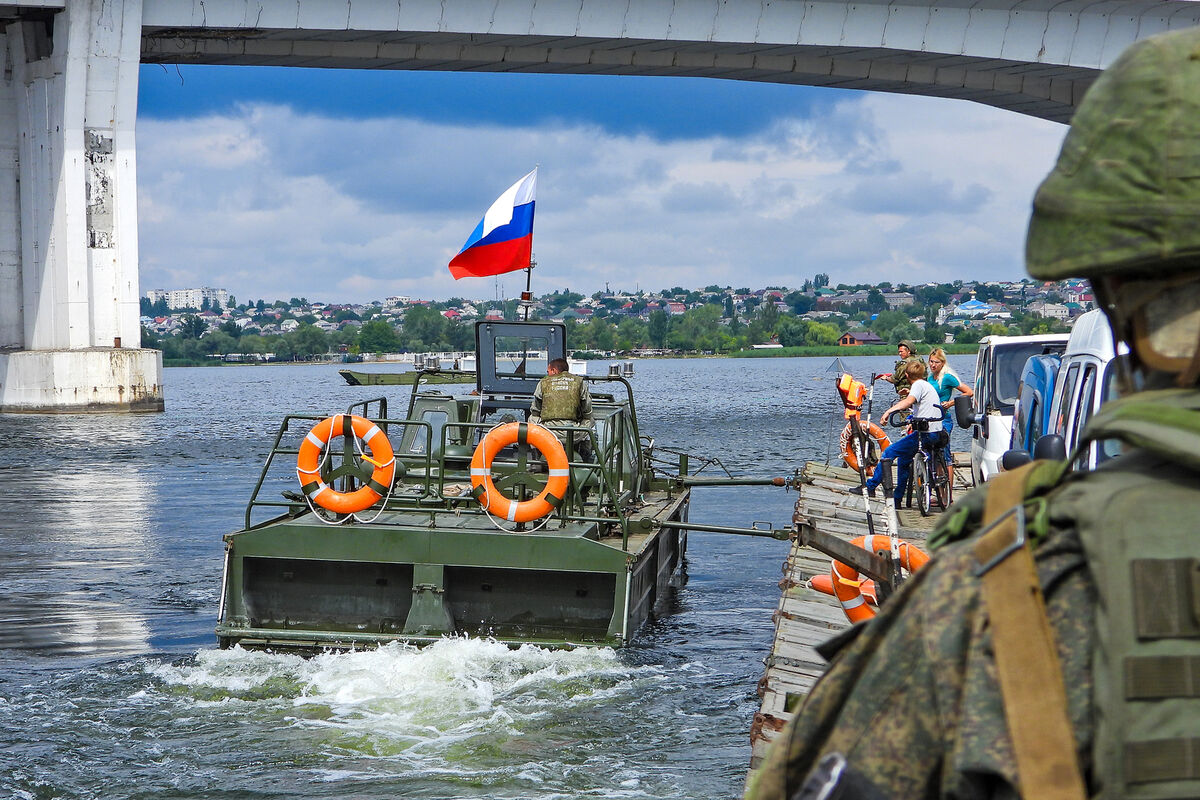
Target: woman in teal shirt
x,y
944,379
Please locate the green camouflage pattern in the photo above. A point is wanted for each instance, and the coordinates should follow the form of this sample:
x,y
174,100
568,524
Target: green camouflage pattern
x,y
912,699
900,374
1124,197
913,702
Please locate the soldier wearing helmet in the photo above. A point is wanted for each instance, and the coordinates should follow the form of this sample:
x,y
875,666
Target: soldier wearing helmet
x,y
1051,648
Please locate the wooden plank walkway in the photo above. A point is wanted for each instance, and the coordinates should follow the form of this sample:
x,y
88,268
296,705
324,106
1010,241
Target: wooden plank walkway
x,y
805,617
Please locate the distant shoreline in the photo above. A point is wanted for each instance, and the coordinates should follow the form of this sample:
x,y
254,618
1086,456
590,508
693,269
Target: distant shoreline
x,y
774,352
954,349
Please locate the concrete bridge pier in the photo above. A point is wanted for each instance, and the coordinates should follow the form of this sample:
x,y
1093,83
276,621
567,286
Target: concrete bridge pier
x,y
69,332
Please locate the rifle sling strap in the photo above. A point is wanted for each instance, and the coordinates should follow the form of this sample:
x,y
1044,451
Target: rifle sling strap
x,y
1031,681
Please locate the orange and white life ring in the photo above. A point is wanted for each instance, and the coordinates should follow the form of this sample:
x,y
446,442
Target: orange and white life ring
x,y
848,582
557,466
308,464
824,584
876,438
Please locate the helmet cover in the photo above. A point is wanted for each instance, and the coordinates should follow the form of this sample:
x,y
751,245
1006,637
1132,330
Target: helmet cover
x,y
1124,196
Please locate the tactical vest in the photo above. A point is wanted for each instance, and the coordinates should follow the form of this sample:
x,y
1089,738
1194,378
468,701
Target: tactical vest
x,y
561,397
1142,543
1139,524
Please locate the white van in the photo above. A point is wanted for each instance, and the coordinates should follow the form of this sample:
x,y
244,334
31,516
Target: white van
x,y
1087,378
989,414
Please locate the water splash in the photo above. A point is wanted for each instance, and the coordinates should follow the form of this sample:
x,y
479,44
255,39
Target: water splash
x,y
471,708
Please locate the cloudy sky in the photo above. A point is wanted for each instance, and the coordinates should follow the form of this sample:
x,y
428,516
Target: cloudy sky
x,y
348,186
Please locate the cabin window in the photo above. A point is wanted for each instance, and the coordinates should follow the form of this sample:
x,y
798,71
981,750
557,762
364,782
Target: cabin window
x,y
521,357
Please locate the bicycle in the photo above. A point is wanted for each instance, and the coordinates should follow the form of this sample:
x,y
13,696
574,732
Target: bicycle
x,y
930,478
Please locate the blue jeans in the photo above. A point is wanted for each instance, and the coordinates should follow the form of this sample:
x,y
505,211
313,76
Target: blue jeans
x,y
903,452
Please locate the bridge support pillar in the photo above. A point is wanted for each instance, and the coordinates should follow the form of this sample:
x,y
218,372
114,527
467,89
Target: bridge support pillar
x,y
69,316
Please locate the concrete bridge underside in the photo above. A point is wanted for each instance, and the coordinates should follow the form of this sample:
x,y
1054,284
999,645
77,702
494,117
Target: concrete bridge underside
x,y
1035,57
68,97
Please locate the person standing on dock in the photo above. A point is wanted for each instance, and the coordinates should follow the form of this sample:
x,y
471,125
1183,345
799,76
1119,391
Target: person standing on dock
x,y
1050,648
946,380
899,377
563,398
922,398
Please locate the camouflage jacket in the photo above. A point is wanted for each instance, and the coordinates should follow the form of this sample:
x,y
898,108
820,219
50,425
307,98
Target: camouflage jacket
x,y
900,375
911,698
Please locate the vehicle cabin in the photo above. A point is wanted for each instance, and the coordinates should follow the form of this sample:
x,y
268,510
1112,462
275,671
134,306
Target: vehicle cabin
x,y
1032,416
449,428
989,415
1086,379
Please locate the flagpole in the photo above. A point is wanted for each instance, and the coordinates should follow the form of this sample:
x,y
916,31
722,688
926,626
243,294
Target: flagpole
x,y
527,295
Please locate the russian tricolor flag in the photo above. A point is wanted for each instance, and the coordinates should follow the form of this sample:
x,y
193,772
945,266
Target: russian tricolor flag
x,y
503,239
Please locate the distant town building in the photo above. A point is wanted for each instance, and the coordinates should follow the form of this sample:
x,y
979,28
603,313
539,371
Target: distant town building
x,y
897,300
859,338
972,308
190,298
1051,310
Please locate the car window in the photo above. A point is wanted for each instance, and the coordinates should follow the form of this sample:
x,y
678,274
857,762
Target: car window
x,y
1064,405
1083,411
1021,418
981,372
1110,390
1008,364
1035,419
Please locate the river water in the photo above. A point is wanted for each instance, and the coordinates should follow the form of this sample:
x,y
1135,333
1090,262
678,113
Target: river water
x,y
111,684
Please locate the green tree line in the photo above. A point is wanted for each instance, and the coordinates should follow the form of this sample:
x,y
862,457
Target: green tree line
x,y
710,328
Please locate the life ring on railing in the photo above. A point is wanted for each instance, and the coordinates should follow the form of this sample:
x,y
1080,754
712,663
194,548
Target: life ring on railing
x,y
557,466
308,464
876,438
848,583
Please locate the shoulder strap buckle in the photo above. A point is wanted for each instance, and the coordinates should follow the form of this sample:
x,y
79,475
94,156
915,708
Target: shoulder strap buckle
x,y
1016,544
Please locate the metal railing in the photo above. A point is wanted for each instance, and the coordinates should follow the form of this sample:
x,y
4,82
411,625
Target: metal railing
x,y
433,470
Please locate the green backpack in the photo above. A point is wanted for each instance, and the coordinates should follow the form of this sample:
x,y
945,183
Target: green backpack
x,y
1139,524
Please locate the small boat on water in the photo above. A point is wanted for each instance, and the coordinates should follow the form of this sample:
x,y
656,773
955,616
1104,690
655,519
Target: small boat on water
x,y
426,376
456,517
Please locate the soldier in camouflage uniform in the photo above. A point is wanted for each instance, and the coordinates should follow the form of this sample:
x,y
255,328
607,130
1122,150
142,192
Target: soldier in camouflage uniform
x,y
563,399
918,702
899,376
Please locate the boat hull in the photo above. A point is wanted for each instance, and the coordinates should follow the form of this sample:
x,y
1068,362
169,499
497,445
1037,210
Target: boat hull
x,y
356,378
298,584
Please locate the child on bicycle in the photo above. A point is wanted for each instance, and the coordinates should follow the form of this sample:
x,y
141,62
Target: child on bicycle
x,y
926,404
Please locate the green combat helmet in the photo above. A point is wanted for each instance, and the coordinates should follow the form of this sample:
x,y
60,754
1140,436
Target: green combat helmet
x,y
1124,197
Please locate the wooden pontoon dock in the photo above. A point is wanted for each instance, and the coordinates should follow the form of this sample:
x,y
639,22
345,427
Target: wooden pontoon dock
x,y
805,617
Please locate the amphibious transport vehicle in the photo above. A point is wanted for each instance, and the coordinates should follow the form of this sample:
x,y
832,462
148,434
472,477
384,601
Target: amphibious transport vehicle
x,y
457,517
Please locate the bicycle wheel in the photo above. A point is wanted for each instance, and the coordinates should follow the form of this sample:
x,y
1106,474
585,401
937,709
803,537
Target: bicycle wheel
x,y
941,483
921,482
